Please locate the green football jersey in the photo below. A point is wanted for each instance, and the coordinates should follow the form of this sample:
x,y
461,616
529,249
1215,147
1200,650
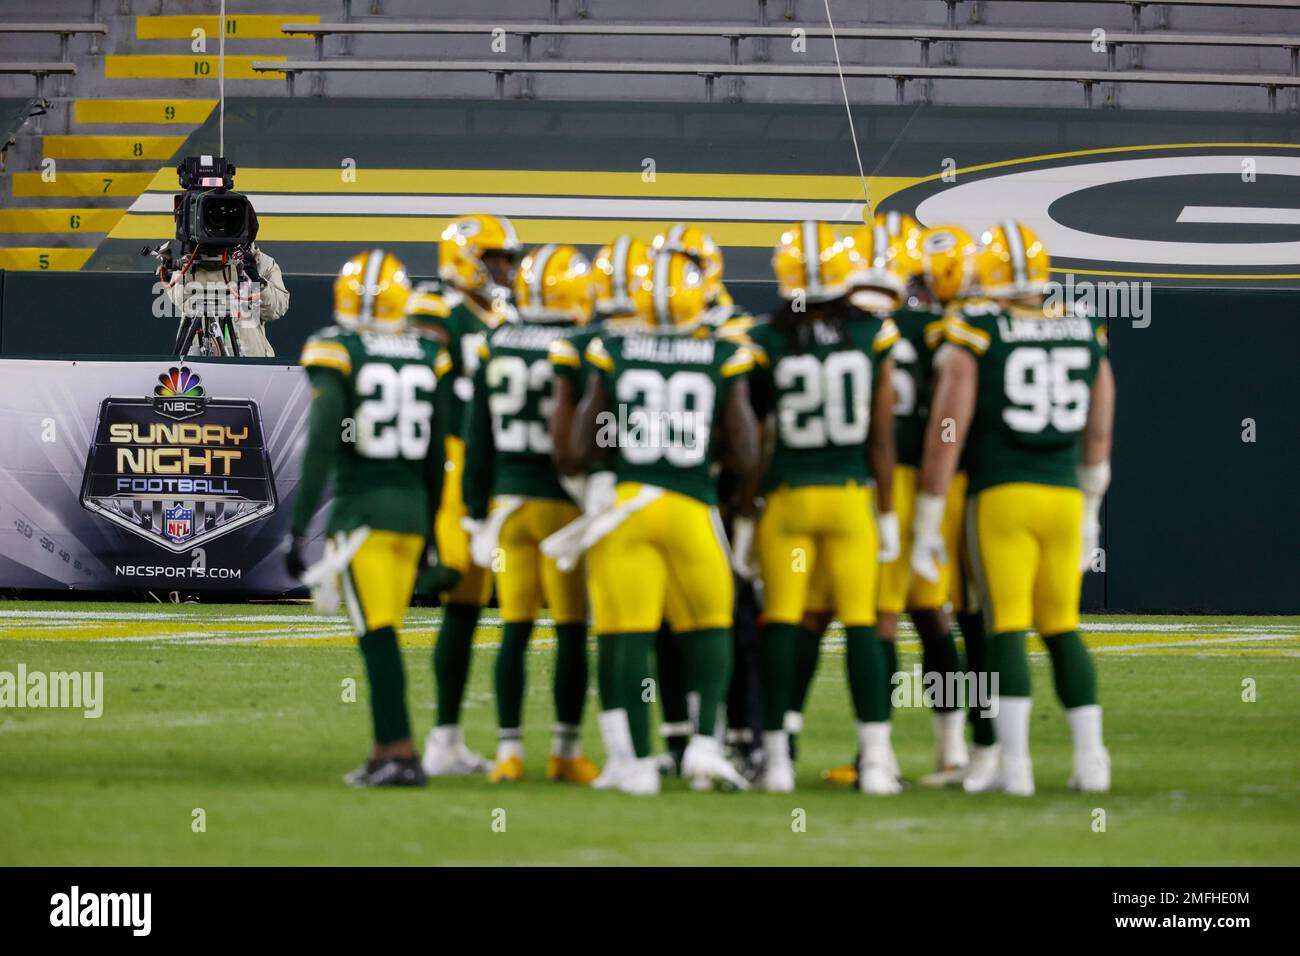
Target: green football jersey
x,y
1035,386
920,332
820,395
667,393
462,326
567,354
379,454
508,441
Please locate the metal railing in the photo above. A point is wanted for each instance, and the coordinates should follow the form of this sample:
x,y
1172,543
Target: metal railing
x,y
710,72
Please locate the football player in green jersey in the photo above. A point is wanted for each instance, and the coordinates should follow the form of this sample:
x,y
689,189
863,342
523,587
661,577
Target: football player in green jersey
x,y
932,268
826,381
1030,394
515,500
372,428
664,405
729,321
477,257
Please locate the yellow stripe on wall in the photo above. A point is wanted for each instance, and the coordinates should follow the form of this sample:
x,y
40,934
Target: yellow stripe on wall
x,y
528,182
189,67
142,111
248,26
366,230
81,184
39,260
59,220
113,147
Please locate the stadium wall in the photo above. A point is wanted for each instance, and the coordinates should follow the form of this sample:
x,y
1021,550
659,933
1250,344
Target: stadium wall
x,y
1198,517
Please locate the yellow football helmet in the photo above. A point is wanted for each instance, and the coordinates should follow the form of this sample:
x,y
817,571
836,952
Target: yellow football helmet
x,y
680,293
372,289
624,270
699,245
464,243
947,255
814,260
883,287
1012,262
555,284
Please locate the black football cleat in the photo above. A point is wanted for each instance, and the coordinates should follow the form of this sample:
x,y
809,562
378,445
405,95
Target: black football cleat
x,y
392,772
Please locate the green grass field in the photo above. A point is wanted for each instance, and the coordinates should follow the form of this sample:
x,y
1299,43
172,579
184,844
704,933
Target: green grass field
x,y
238,711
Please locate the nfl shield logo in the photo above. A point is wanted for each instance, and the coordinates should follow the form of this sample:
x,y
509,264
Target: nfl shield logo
x,y
179,523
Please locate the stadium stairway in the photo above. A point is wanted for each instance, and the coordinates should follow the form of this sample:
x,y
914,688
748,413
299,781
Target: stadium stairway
x,y
71,177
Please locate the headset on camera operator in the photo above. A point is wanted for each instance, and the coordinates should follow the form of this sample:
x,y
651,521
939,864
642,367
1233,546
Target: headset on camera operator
x,y
223,287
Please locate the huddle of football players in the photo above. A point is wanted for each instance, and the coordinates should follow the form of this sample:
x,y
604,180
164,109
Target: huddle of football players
x,y
614,441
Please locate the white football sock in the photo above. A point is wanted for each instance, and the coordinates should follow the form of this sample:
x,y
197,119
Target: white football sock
x,y
616,732
509,747
873,739
777,747
565,741
448,735
950,737
1012,725
1085,728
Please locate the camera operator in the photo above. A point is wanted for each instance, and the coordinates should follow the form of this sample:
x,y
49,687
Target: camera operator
x,y
221,271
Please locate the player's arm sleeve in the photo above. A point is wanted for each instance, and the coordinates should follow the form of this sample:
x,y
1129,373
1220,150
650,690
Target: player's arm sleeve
x,y
436,459
324,419
962,329
480,454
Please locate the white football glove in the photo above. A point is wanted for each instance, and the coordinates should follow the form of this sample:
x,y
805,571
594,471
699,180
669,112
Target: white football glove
x,y
928,549
891,539
1093,481
742,548
599,494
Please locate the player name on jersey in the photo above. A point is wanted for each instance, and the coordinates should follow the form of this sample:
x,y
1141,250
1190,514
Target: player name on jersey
x,y
668,350
1045,329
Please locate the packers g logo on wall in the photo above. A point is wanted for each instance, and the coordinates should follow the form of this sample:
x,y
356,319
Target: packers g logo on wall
x,y
1225,211
178,468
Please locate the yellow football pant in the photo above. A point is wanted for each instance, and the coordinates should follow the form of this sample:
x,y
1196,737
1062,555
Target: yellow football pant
x,y
475,584
666,560
1026,541
824,532
901,590
527,580
378,582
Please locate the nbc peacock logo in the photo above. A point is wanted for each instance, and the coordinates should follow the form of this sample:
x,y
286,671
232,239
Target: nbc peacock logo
x,y
179,394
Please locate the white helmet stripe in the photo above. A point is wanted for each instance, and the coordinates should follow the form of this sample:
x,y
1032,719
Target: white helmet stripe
x,y
894,223
619,257
1016,248
812,257
662,273
370,285
512,237
880,244
540,258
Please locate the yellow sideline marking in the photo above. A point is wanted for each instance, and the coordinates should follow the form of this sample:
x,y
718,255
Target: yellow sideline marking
x,y
176,626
